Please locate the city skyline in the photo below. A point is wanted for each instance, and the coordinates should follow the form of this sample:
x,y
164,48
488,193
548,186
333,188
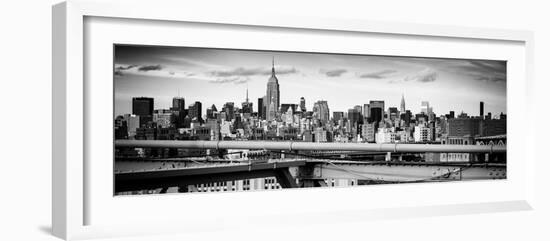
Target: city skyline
x,y
197,74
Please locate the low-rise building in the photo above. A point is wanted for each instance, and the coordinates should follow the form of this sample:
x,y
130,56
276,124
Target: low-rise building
x,y
422,134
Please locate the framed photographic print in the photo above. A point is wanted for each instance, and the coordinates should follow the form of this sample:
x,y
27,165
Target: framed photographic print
x,y
280,141
190,118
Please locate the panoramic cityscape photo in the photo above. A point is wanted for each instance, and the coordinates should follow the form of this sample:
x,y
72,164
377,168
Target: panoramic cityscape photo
x,y
193,120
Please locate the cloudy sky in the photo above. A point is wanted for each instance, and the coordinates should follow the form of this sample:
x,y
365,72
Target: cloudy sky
x,y
216,76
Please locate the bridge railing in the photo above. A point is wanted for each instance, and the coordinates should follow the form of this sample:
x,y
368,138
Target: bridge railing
x,y
308,146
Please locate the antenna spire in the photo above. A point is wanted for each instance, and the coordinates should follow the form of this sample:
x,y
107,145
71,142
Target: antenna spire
x,y
273,65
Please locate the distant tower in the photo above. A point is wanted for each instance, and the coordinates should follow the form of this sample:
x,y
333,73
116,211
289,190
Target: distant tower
x,y
272,95
402,103
481,113
303,104
425,107
247,105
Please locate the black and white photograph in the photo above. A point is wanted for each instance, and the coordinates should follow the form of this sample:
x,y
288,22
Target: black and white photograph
x,y
195,120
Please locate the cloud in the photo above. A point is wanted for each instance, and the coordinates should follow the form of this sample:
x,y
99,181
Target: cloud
x,y
126,67
121,68
333,72
489,66
378,74
153,70
494,79
146,68
485,71
241,71
426,75
231,79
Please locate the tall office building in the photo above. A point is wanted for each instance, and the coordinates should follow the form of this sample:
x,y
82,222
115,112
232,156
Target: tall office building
x,y
425,107
366,109
261,108
427,110
178,104
359,108
195,111
272,95
303,104
406,116
212,112
272,111
142,106
481,113
321,111
229,109
376,110
393,113
354,116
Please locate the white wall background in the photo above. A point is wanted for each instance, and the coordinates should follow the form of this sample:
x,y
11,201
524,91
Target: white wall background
x,y
25,97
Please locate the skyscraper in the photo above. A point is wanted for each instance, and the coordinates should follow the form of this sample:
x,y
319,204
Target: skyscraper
x,y
195,111
354,116
392,113
229,109
261,108
247,105
481,113
376,110
366,109
303,104
359,109
427,110
402,110
321,111
425,107
142,106
212,112
272,95
178,104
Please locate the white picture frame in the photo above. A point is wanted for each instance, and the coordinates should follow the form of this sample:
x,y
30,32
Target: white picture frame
x,y
72,192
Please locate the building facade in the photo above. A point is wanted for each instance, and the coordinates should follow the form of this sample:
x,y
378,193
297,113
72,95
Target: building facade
x,y
272,95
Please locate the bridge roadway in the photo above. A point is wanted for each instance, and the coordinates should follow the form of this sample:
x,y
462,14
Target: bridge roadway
x,y
146,174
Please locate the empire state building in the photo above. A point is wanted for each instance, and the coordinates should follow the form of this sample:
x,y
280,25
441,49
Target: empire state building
x,y
272,96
